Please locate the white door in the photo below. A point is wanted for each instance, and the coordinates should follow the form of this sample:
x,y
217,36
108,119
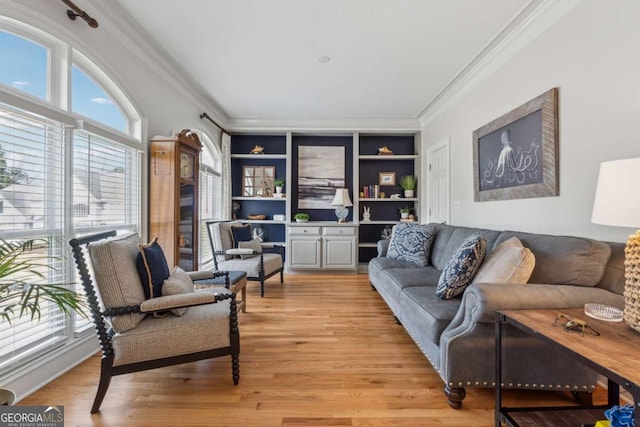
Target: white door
x,y
438,178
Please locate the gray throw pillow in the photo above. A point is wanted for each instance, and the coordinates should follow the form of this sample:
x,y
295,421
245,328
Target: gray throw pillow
x,y
462,266
412,243
254,245
178,283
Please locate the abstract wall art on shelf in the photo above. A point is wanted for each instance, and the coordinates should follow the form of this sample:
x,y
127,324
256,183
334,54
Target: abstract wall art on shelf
x,y
321,169
516,155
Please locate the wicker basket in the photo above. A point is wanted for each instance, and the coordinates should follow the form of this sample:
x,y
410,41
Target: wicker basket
x,y
256,217
632,281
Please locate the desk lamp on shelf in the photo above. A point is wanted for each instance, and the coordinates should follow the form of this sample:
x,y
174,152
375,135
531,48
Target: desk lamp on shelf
x,y
341,201
617,203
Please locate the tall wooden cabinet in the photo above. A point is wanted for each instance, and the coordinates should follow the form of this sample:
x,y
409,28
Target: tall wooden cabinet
x,y
173,197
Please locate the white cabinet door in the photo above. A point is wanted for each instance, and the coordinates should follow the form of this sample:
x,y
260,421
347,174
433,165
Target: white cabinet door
x,y
304,252
339,253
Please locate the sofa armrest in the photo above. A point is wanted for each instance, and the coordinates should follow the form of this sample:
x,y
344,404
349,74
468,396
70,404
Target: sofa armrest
x,y
382,246
483,299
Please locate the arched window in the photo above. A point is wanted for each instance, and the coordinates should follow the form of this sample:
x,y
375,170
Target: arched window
x,y
210,195
42,195
25,64
90,100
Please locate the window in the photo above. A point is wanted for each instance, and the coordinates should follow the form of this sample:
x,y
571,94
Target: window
x,y
90,100
61,175
210,191
24,65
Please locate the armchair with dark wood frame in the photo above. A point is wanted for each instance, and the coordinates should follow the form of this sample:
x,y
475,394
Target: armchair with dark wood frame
x,y
226,257
132,338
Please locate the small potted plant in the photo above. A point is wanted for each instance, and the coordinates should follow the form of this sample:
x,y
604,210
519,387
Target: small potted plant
x,y
405,212
408,184
301,217
278,183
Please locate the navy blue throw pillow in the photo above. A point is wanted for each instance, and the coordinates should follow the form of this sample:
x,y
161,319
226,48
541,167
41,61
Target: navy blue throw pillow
x,y
241,233
152,268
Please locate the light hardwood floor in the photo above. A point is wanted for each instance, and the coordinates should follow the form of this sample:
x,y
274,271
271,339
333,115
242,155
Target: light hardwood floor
x,y
320,350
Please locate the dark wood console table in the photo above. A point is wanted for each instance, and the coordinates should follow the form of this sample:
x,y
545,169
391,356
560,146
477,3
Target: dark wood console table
x,y
614,354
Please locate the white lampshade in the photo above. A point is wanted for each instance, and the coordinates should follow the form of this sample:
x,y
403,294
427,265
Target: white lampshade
x,y
341,198
617,201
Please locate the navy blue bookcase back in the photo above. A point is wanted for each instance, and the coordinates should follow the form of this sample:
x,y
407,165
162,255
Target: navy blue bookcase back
x,y
328,141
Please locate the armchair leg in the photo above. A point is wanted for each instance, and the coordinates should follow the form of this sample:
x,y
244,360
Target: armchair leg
x,y
281,277
103,385
455,396
262,288
235,368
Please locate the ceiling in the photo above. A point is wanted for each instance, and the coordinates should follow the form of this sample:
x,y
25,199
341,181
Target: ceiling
x,y
388,59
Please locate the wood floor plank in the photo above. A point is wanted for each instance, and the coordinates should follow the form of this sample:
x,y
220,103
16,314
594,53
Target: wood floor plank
x,y
320,350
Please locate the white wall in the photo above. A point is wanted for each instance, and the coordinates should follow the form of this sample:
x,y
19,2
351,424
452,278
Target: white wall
x,y
591,55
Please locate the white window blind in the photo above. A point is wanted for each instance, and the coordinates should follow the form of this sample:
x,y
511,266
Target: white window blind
x,y
32,195
106,190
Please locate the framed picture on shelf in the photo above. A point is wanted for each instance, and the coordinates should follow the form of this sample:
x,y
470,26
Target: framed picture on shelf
x,y
386,178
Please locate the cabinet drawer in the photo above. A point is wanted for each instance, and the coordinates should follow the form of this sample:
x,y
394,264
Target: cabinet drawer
x,y
304,231
339,231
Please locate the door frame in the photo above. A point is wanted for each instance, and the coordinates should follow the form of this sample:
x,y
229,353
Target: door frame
x,y
444,143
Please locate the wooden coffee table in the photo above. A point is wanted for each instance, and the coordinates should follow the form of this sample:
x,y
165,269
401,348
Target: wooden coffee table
x,y
614,354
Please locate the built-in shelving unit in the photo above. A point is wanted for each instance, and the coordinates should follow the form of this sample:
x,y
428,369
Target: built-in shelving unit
x,y
275,155
363,166
384,211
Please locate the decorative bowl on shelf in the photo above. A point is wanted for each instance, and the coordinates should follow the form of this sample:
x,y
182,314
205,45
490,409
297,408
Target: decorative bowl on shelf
x,y
256,217
301,220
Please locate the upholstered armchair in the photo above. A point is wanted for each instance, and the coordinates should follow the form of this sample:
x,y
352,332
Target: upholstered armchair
x,y
138,333
234,250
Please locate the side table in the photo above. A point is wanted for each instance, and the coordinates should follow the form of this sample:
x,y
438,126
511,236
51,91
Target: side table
x,y
613,354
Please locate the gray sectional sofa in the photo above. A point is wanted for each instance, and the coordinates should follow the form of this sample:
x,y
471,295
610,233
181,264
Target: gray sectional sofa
x,y
457,335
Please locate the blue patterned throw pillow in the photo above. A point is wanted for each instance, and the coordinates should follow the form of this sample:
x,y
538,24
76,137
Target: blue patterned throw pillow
x,y
412,243
463,265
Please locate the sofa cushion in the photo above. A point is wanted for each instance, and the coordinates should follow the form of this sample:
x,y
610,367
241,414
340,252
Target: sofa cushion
x,y
462,266
562,260
152,268
114,269
509,262
411,242
178,283
432,313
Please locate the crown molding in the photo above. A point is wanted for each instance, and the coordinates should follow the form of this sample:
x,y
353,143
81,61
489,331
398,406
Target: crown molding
x,y
533,19
131,35
324,125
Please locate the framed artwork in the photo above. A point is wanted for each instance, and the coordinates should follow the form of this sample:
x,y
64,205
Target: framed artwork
x,y
386,178
321,170
516,155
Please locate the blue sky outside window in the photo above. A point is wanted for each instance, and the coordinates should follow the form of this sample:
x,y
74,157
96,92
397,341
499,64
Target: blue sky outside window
x,y
23,64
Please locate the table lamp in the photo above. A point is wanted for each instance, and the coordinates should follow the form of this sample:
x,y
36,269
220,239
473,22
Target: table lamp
x,y
617,203
341,200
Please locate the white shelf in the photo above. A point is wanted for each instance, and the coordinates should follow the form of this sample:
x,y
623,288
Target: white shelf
x,y
368,245
261,221
387,199
387,157
258,156
261,199
389,222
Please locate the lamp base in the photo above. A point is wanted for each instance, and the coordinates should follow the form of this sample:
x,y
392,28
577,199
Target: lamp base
x,y
342,213
632,281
